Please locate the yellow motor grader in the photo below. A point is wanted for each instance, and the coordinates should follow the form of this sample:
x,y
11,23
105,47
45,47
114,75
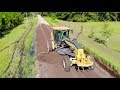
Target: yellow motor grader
x,y
73,52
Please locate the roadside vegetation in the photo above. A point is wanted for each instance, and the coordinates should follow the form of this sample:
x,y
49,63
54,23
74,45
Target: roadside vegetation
x,y
84,16
52,21
17,50
9,20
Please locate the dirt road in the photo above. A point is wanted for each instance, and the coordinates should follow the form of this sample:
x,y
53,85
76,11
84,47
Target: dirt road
x,y
49,64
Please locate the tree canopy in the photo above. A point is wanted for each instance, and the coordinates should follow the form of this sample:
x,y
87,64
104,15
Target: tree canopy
x,y
84,16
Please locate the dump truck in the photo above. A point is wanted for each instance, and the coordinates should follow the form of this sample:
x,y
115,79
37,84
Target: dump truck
x,y
70,49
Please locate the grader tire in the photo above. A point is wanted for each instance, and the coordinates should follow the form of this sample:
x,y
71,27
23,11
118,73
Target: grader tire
x,y
92,67
66,64
93,59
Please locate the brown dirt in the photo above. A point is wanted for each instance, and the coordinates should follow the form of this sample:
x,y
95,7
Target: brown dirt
x,y
49,64
51,58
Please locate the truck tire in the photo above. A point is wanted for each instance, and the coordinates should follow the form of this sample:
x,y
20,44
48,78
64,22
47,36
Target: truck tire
x,y
66,63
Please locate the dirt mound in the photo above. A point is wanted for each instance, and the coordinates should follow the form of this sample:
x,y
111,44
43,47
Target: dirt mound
x,y
51,57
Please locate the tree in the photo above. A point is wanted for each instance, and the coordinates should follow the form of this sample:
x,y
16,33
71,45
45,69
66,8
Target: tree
x,y
91,35
107,16
26,14
84,16
9,20
116,16
92,16
76,18
106,32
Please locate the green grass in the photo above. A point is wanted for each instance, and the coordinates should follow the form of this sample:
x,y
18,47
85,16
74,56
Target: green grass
x,y
27,63
99,25
114,41
52,21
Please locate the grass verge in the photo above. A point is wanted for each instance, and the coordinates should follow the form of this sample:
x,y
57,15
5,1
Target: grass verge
x,y
16,60
52,21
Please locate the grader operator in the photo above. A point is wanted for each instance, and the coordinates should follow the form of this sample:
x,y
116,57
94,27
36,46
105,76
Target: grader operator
x,y
73,52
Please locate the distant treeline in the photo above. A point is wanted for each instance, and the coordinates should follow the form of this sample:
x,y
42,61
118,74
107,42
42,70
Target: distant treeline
x,y
9,20
84,16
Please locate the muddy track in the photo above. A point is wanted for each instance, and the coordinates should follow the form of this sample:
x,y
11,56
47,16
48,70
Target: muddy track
x,y
49,64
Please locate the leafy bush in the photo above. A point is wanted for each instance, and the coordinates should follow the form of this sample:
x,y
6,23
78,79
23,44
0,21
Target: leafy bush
x,y
84,16
106,33
98,40
91,34
9,20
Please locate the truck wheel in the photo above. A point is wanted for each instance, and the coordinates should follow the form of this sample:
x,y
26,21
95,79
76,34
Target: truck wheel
x,y
66,64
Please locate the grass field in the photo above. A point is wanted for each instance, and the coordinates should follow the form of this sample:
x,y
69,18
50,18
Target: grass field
x,y
110,54
114,40
99,26
52,21
15,60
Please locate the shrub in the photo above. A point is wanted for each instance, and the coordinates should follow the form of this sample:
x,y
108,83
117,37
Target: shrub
x,y
98,40
9,20
91,35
